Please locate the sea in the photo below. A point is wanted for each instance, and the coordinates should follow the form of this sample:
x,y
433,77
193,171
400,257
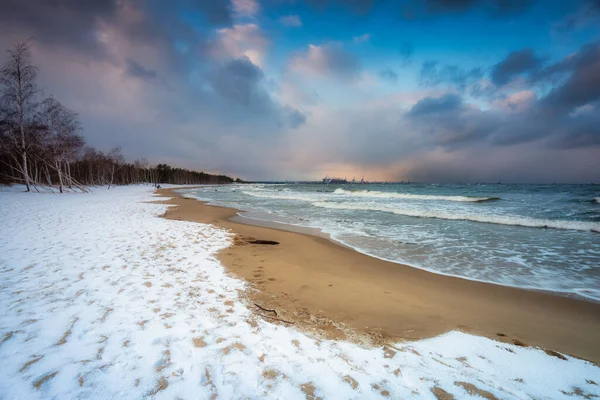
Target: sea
x,y
544,237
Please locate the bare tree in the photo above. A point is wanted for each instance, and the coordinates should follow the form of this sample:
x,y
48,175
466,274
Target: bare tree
x,y
40,141
18,99
116,162
61,140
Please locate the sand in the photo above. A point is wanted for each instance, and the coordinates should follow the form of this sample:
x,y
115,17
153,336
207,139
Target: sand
x,y
321,286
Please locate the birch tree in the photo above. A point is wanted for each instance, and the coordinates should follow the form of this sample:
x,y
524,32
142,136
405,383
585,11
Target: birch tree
x,y
116,162
18,100
61,140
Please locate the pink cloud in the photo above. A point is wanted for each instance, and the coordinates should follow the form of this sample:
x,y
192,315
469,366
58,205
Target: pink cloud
x,y
241,40
329,60
518,101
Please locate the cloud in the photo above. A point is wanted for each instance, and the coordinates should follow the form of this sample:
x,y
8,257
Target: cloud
x,y
582,110
139,71
388,75
216,100
519,164
517,63
518,101
362,38
241,40
586,15
229,106
436,105
79,24
582,84
292,21
582,131
560,119
242,83
215,12
61,22
329,60
432,74
443,138
244,8
293,117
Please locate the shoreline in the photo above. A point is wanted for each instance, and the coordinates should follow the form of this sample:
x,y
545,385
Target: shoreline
x,y
337,292
322,234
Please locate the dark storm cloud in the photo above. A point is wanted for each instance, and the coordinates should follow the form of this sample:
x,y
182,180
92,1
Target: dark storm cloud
x,y
58,22
582,131
582,84
215,11
447,121
74,23
241,82
435,105
118,51
517,63
388,75
567,117
432,74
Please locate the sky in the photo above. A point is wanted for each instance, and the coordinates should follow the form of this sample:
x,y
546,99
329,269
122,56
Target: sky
x,y
433,91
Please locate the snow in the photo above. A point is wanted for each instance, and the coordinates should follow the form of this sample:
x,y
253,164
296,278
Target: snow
x,y
100,298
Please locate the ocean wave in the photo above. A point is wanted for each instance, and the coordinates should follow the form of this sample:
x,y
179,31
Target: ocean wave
x,y
281,196
391,195
483,218
596,200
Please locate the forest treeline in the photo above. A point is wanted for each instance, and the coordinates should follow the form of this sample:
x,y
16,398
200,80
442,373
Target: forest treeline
x,y
41,145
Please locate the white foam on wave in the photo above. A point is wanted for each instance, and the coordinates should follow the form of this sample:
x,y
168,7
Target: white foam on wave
x,y
367,194
484,218
281,196
392,195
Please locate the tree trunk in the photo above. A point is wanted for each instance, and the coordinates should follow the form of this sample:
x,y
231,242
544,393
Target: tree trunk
x,y
24,168
60,179
69,176
112,174
48,177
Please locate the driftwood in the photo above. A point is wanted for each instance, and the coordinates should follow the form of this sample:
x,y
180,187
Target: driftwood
x,y
274,312
258,241
266,309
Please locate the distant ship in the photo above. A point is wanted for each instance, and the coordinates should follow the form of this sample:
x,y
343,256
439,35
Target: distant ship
x,y
328,180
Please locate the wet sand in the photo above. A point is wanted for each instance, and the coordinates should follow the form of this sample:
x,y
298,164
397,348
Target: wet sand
x,y
337,292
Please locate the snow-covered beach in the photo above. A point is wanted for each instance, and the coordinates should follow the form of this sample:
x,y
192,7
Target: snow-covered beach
x,y
102,298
